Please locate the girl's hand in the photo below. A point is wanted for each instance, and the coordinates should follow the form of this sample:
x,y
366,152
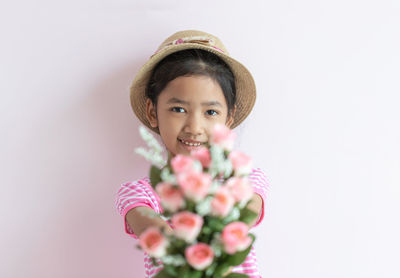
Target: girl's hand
x,y
140,218
227,272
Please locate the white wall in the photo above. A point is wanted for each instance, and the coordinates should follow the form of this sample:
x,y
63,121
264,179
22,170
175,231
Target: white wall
x,y
325,128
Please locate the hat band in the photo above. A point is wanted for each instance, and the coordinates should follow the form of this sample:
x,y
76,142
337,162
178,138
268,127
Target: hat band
x,y
194,39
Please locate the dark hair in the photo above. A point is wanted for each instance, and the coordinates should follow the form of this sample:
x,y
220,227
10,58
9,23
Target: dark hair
x,y
192,62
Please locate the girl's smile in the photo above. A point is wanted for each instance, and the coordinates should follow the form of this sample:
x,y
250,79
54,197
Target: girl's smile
x,y
191,143
186,111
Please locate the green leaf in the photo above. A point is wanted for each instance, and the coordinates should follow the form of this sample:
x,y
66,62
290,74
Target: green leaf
x,y
215,224
220,270
206,230
163,274
211,269
247,215
239,257
171,270
196,274
154,261
155,175
190,205
184,271
236,275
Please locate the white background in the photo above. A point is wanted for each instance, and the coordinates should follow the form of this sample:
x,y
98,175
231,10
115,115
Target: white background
x,y
325,129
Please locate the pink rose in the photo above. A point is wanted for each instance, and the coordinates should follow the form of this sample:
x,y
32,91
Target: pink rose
x,y
235,237
181,163
153,242
241,189
223,202
195,185
241,163
171,197
187,225
223,136
203,155
199,256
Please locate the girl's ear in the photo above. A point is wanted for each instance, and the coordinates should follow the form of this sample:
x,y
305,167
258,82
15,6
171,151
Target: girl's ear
x,y
151,113
231,117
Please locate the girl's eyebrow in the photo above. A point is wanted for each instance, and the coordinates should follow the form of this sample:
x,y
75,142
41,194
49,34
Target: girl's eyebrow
x,y
180,101
211,103
176,100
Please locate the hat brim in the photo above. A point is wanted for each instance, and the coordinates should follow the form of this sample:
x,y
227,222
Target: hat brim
x,y
244,83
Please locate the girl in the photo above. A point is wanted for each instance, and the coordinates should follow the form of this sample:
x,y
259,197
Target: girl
x,y
189,85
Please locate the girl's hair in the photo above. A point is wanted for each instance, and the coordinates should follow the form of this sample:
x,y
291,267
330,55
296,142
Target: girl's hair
x,y
192,62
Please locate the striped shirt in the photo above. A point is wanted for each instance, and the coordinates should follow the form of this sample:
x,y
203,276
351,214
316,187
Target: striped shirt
x,y
141,193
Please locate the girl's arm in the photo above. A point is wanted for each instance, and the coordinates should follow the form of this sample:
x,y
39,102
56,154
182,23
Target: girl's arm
x,y
139,220
256,206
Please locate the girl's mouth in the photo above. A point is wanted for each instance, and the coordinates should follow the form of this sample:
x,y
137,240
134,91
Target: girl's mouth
x,y
190,144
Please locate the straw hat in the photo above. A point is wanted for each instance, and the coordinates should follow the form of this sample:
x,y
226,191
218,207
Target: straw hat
x,y
193,39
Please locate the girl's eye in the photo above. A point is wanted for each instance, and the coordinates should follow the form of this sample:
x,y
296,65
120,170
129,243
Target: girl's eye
x,y
177,109
212,112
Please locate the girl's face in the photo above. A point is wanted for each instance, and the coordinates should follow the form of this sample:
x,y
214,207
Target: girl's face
x,y
187,109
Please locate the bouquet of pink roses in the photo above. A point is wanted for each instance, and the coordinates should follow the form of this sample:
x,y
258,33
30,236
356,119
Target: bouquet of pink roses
x,y
205,198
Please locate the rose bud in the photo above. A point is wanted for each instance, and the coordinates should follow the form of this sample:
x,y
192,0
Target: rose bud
x,y
171,197
235,237
199,256
203,155
187,225
153,242
222,202
181,163
241,189
195,185
241,163
223,136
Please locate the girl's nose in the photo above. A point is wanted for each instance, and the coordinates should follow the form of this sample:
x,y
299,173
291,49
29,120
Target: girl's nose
x,y
194,125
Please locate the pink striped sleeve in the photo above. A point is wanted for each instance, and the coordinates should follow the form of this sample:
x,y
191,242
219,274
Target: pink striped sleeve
x,y
260,185
249,266
135,194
